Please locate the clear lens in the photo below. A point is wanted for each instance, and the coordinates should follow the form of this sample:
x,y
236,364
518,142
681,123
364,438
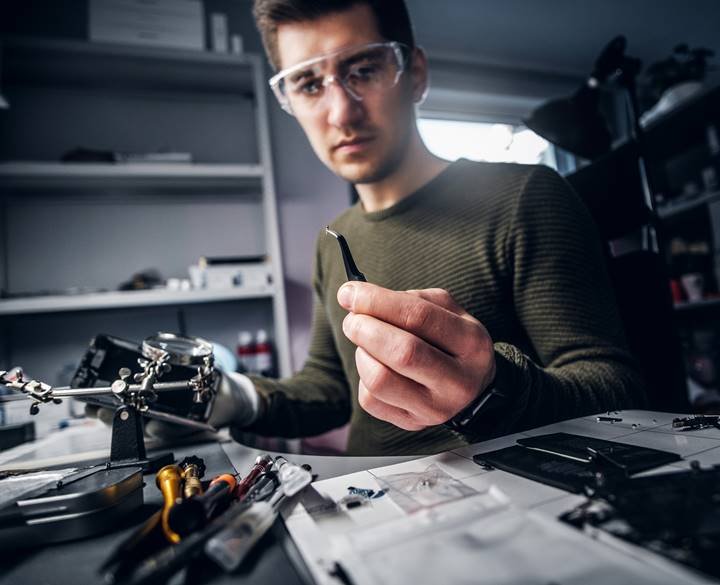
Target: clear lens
x,y
362,71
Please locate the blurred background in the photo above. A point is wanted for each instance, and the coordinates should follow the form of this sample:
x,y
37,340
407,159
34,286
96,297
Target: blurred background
x,y
149,181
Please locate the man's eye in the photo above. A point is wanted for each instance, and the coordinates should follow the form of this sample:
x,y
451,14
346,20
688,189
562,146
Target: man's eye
x,y
311,87
365,72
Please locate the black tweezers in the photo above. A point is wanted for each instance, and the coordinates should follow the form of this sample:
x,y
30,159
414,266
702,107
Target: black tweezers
x,y
351,269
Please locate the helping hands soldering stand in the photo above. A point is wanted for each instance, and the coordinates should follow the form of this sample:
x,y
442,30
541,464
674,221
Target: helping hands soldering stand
x,y
160,352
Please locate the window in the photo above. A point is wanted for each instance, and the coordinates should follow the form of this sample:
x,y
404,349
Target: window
x,y
481,141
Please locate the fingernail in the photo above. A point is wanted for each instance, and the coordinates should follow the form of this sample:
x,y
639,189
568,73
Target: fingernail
x,y
346,294
346,323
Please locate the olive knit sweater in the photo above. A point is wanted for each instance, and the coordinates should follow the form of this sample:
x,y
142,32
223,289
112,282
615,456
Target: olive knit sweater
x,y
515,246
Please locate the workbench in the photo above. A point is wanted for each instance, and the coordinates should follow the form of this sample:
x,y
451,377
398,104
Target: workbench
x,y
276,559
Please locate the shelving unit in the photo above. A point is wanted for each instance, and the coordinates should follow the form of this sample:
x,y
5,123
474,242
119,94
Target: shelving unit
x,y
89,64
33,175
69,93
672,209
126,299
679,150
691,306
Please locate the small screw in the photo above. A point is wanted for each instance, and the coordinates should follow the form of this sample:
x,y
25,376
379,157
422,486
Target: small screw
x,y
124,415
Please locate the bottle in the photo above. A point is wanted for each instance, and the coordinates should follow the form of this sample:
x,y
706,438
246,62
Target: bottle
x,y
246,353
263,354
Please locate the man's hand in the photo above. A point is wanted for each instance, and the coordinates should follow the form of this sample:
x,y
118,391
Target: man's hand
x,y
421,357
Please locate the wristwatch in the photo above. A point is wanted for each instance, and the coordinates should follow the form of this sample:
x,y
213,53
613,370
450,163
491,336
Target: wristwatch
x,y
489,399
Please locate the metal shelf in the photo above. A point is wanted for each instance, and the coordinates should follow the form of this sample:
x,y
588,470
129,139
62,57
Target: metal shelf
x,y
688,306
78,63
671,209
126,299
61,175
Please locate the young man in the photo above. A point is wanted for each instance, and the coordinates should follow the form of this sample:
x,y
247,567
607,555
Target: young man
x,y
489,310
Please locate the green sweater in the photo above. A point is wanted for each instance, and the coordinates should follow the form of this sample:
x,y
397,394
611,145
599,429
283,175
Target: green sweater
x,y
515,246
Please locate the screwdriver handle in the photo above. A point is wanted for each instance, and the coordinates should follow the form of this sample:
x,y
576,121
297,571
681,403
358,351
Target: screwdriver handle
x,y
262,464
169,480
192,514
193,470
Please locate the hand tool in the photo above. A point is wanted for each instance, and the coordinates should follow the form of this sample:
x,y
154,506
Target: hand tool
x,y
194,513
352,271
192,469
230,546
262,464
169,480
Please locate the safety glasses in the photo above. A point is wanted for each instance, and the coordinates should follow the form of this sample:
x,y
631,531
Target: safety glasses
x,y
361,71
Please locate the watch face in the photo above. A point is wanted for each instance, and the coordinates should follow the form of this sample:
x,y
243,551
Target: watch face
x,y
180,350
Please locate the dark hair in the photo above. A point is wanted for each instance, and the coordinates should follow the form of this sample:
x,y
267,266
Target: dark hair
x,y
393,20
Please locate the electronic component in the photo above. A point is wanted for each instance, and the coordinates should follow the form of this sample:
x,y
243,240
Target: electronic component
x,y
696,422
674,514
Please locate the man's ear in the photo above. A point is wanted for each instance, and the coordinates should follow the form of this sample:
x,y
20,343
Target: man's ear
x,y
419,74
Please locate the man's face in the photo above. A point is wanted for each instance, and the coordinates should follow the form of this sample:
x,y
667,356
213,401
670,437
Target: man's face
x,y
360,141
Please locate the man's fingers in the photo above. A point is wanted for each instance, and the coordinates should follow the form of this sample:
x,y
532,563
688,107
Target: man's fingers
x,y
407,354
392,414
440,297
410,312
396,390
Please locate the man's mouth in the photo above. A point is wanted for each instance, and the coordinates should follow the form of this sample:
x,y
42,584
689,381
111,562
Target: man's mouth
x,y
353,144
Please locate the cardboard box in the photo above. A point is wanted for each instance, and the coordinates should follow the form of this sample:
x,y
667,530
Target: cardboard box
x,y
160,23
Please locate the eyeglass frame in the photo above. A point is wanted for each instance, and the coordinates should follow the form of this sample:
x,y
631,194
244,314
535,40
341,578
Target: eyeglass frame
x,y
400,50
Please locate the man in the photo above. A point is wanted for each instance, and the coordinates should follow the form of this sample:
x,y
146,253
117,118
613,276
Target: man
x,y
489,310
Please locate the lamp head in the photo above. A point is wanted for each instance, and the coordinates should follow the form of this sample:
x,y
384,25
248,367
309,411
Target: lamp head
x,y
574,124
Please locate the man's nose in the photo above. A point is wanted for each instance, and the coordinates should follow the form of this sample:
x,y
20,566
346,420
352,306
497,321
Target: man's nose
x,y
343,109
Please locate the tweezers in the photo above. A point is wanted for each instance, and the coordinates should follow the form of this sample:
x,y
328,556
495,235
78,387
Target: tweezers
x,y
351,269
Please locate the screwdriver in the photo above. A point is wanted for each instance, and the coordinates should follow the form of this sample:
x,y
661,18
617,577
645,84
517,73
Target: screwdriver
x,y
192,514
166,563
230,546
262,464
193,470
169,480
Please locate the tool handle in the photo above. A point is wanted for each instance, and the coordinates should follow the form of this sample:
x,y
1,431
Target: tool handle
x,y
192,514
262,464
229,547
169,480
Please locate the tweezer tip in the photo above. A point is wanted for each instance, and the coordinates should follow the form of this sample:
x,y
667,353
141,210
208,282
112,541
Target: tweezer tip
x,y
331,232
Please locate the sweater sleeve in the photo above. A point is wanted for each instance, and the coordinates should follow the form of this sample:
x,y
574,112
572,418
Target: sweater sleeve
x,y
566,306
315,399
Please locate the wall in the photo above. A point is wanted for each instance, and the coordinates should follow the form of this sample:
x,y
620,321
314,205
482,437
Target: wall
x,y
309,195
